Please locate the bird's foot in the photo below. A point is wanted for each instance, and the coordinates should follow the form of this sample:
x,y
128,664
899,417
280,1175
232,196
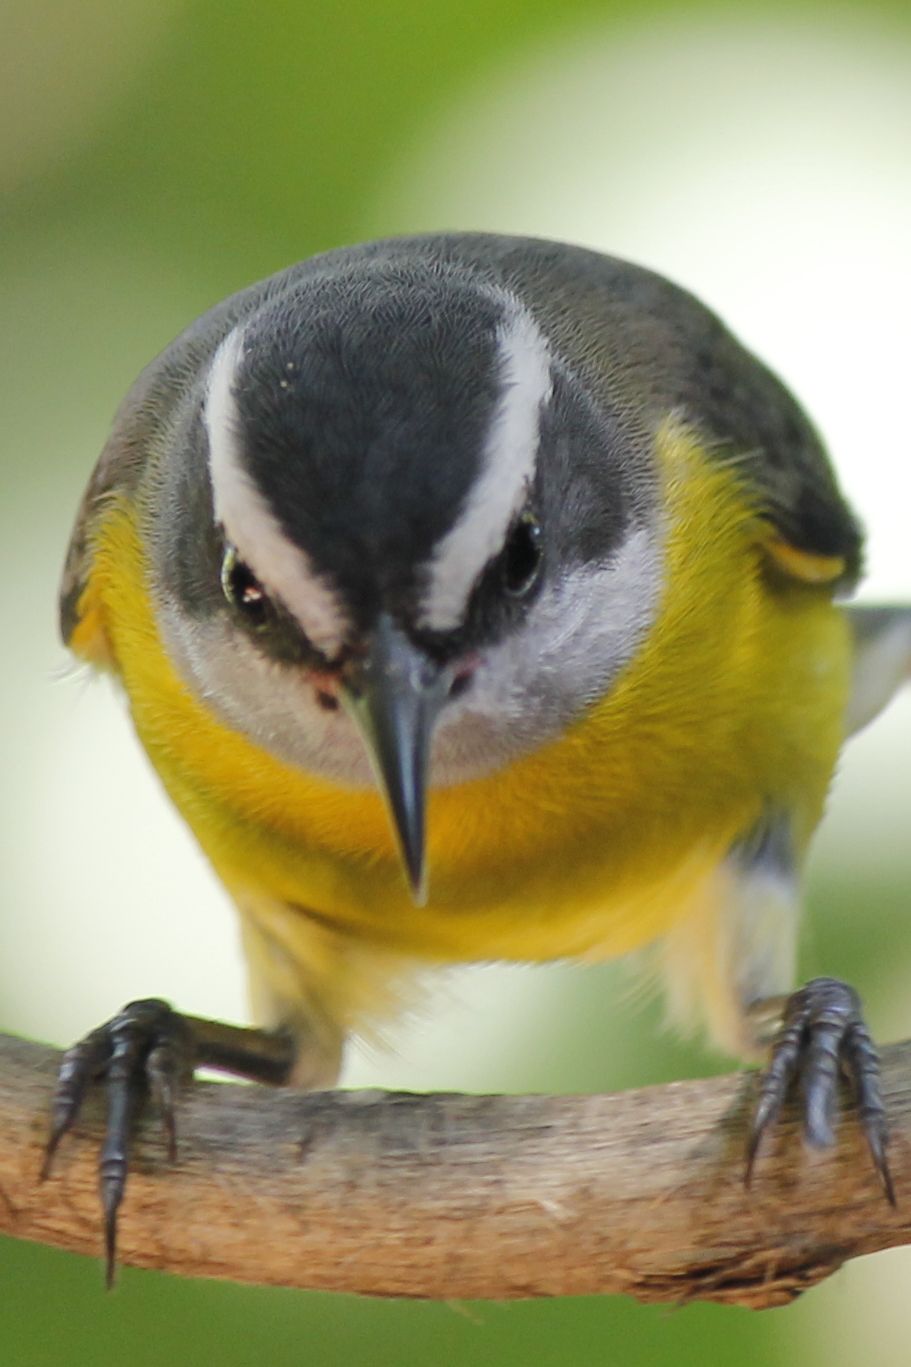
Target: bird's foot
x,y
148,1048
823,1035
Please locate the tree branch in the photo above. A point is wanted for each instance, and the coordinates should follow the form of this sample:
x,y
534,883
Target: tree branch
x,y
451,1196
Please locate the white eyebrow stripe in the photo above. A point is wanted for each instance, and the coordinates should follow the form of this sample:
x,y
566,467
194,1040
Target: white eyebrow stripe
x,y
507,471
249,523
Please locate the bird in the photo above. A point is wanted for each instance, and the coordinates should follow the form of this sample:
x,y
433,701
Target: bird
x,y
479,597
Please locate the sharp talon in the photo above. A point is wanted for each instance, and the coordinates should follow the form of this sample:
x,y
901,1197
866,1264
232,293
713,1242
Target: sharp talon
x,y
110,1247
79,1066
775,1081
877,1146
162,1066
765,1113
171,1138
877,1137
49,1151
823,1038
885,1176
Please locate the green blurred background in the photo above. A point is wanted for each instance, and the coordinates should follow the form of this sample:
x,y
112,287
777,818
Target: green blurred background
x,y
155,155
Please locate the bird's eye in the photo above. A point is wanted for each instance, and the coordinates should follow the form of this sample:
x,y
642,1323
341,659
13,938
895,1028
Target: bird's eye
x,y
521,556
244,591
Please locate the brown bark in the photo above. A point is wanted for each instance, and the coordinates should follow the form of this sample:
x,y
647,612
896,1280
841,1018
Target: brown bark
x,y
452,1196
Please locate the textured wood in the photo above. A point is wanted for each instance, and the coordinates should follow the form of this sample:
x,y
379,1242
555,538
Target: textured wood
x,y
451,1196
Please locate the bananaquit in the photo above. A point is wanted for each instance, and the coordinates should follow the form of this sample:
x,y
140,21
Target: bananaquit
x,y
477,598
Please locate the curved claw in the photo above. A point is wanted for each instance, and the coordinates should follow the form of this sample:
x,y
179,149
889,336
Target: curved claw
x,y
862,1063
822,1035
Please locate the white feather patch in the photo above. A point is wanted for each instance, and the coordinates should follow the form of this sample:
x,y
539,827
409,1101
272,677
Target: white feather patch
x,y
732,945
881,665
250,525
507,469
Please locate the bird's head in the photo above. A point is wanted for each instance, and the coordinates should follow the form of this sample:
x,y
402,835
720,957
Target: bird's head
x,y
400,540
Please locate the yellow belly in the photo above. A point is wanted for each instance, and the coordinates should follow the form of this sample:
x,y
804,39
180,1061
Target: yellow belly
x,y
589,846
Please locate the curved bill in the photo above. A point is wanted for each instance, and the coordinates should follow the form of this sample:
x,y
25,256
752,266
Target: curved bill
x,y
394,695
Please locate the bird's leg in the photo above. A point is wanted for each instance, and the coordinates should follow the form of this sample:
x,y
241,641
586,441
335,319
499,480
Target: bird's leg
x,y
821,1035
148,1048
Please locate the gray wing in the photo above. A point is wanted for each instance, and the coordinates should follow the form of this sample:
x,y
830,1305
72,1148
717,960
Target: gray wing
x,y
882,659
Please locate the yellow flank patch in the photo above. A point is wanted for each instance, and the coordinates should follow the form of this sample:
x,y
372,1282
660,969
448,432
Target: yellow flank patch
x,y
804,565
589,846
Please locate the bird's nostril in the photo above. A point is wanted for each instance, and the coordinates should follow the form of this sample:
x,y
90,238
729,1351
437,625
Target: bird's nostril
x,y
459,685
463,676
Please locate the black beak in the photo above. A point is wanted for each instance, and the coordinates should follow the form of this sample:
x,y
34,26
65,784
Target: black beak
x,y
395,694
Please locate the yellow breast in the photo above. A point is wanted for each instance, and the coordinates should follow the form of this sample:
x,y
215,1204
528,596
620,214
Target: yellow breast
x,y
587,846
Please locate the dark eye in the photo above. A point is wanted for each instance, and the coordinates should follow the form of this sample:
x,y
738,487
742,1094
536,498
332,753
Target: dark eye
x,y
244,591
521,556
